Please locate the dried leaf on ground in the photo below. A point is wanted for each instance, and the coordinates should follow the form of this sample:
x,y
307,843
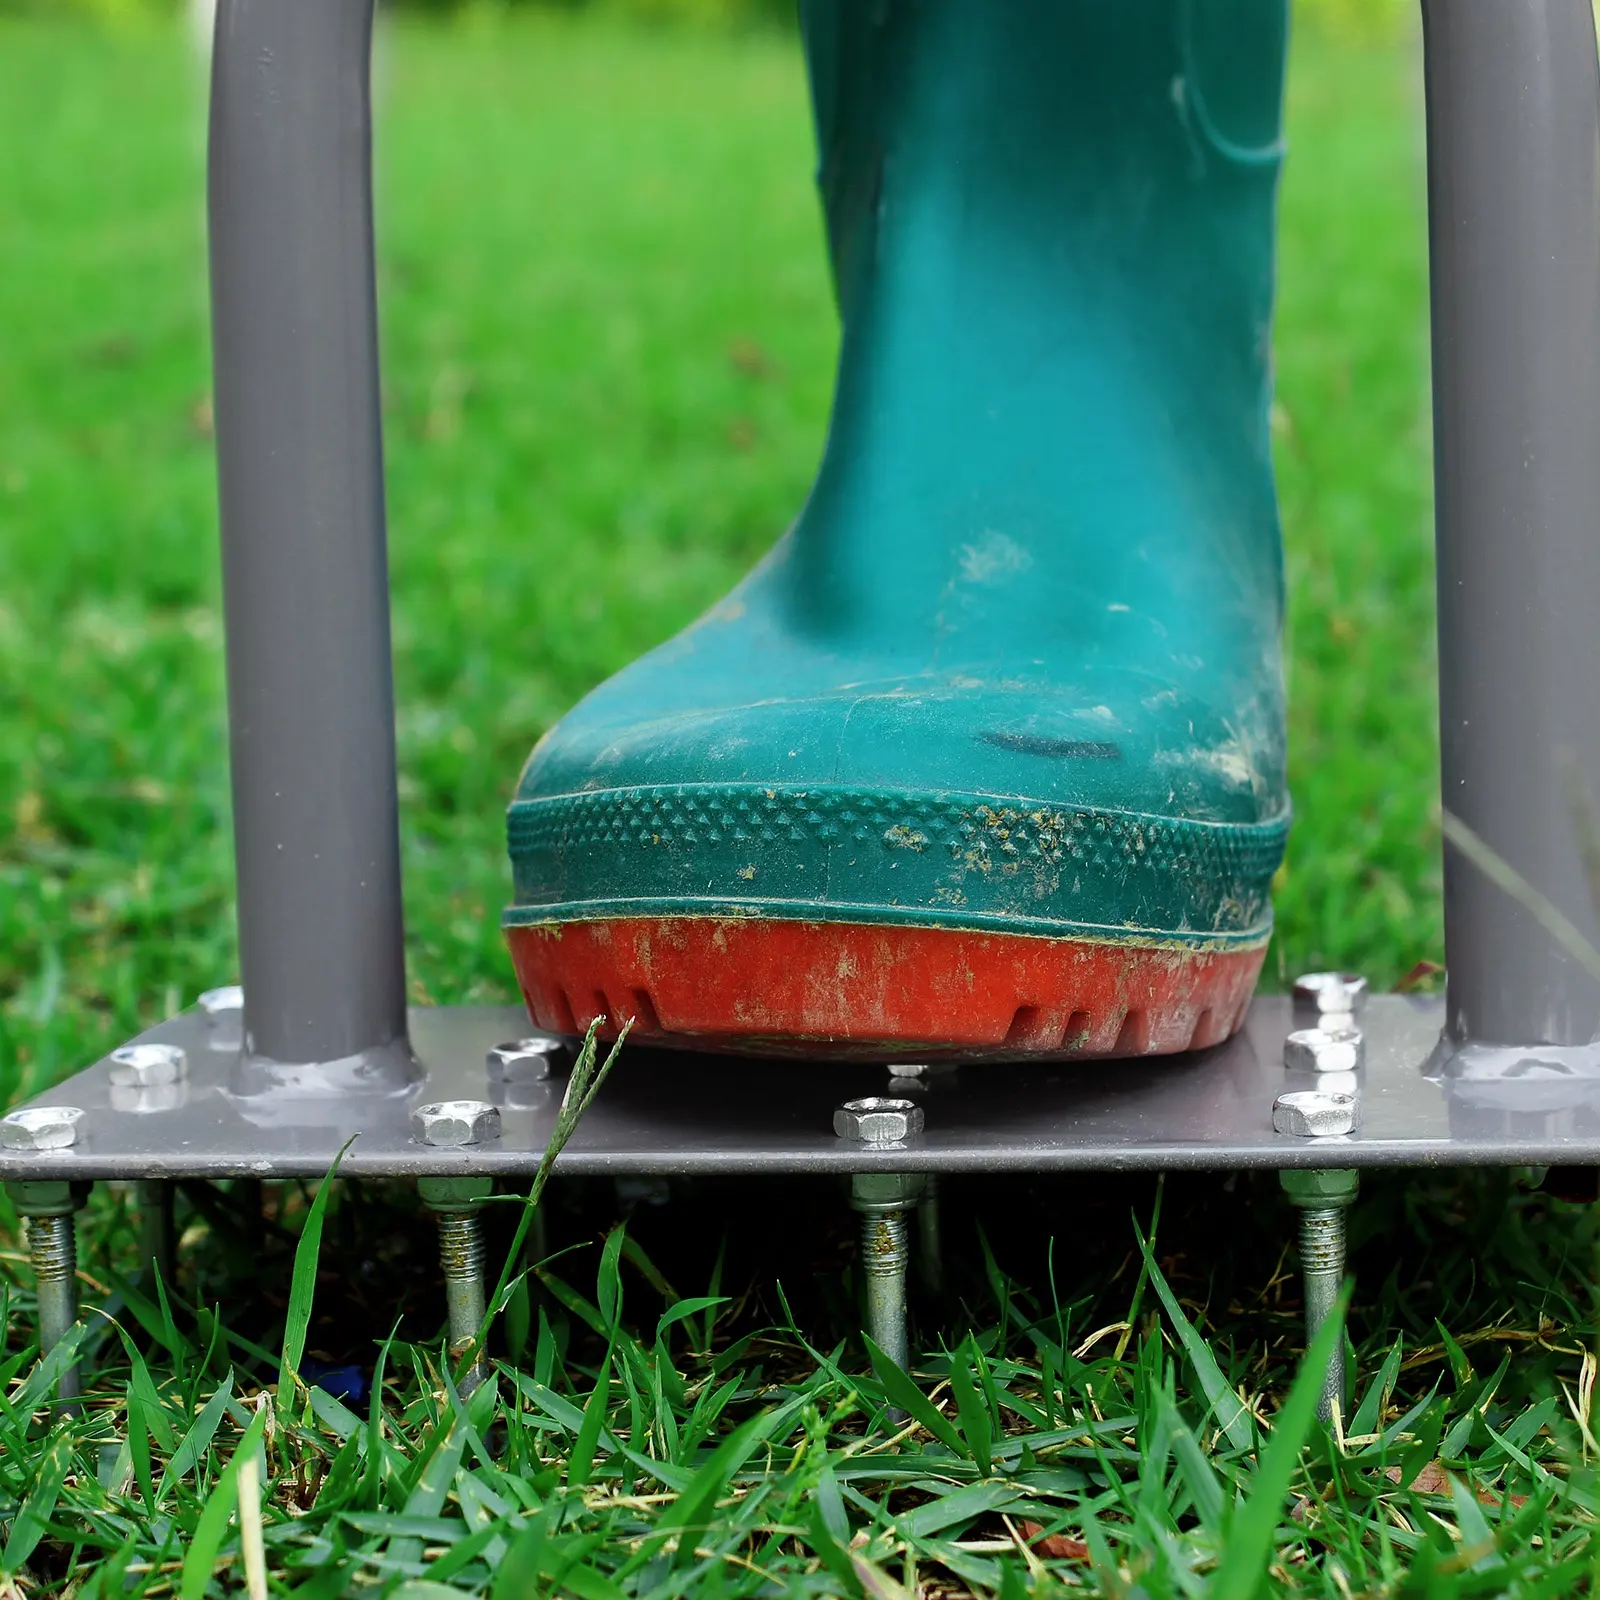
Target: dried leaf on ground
x,y
1434,1479
1057,1546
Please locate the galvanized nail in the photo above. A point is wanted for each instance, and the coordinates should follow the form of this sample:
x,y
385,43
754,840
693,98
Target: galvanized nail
x,y
47,1207
53,1249
1322,1198
457,1204
930,1238
884,1199
157,1232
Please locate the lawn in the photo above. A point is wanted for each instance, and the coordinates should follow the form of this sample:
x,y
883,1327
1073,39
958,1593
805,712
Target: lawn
x,y
608,339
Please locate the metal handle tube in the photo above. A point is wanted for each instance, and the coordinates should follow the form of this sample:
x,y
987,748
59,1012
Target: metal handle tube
x,y
1513,94
304,561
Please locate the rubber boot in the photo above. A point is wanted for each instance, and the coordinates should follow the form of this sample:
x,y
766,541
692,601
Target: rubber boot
x,y
986,758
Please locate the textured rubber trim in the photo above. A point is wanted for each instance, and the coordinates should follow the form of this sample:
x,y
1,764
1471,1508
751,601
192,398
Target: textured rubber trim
x,y
884,916
868,855
872,991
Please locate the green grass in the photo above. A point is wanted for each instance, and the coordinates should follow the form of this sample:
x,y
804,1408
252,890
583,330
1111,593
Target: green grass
x,y
608,341
1140,1411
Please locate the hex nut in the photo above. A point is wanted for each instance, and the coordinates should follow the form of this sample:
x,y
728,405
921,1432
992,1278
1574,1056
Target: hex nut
x,y
450,1123
1315,1114
1330,991
148,1066
877,1120
46,1197
221,1002
886,1191
454,1194
1324,1050
524,1060
40,1128
1321,1188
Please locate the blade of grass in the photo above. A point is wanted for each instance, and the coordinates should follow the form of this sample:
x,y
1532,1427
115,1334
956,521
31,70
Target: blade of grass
x,y
250,1544
960,1505
373,1477
520,1568
1230,1411
676,1313
902,1392
303,1287
143,1394
1366,1417
830,1551
197,1440
970,1407
212,1527
690,1512
1247,1551
580,1461
39,1383
33,1516
583,1085
1137,1299
608,1281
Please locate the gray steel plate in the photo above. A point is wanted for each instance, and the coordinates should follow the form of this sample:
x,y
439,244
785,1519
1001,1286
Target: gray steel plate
x,y
664,1112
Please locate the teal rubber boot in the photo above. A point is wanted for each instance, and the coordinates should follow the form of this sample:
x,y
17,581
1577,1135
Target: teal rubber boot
x,y
987,757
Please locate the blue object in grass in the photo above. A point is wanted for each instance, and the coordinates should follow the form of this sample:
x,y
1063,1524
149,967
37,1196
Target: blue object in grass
x,y
343,1383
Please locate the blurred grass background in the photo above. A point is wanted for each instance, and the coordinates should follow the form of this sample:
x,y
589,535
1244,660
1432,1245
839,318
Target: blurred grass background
x,y
1349,18
608,342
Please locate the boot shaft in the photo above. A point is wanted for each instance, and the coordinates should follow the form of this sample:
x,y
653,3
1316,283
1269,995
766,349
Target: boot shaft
x,y
1051,225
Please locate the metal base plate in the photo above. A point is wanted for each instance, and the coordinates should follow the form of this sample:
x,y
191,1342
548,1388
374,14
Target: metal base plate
x,y
665,1112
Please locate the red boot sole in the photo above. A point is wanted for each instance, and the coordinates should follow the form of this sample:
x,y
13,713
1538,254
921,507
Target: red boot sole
x,y
873,991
